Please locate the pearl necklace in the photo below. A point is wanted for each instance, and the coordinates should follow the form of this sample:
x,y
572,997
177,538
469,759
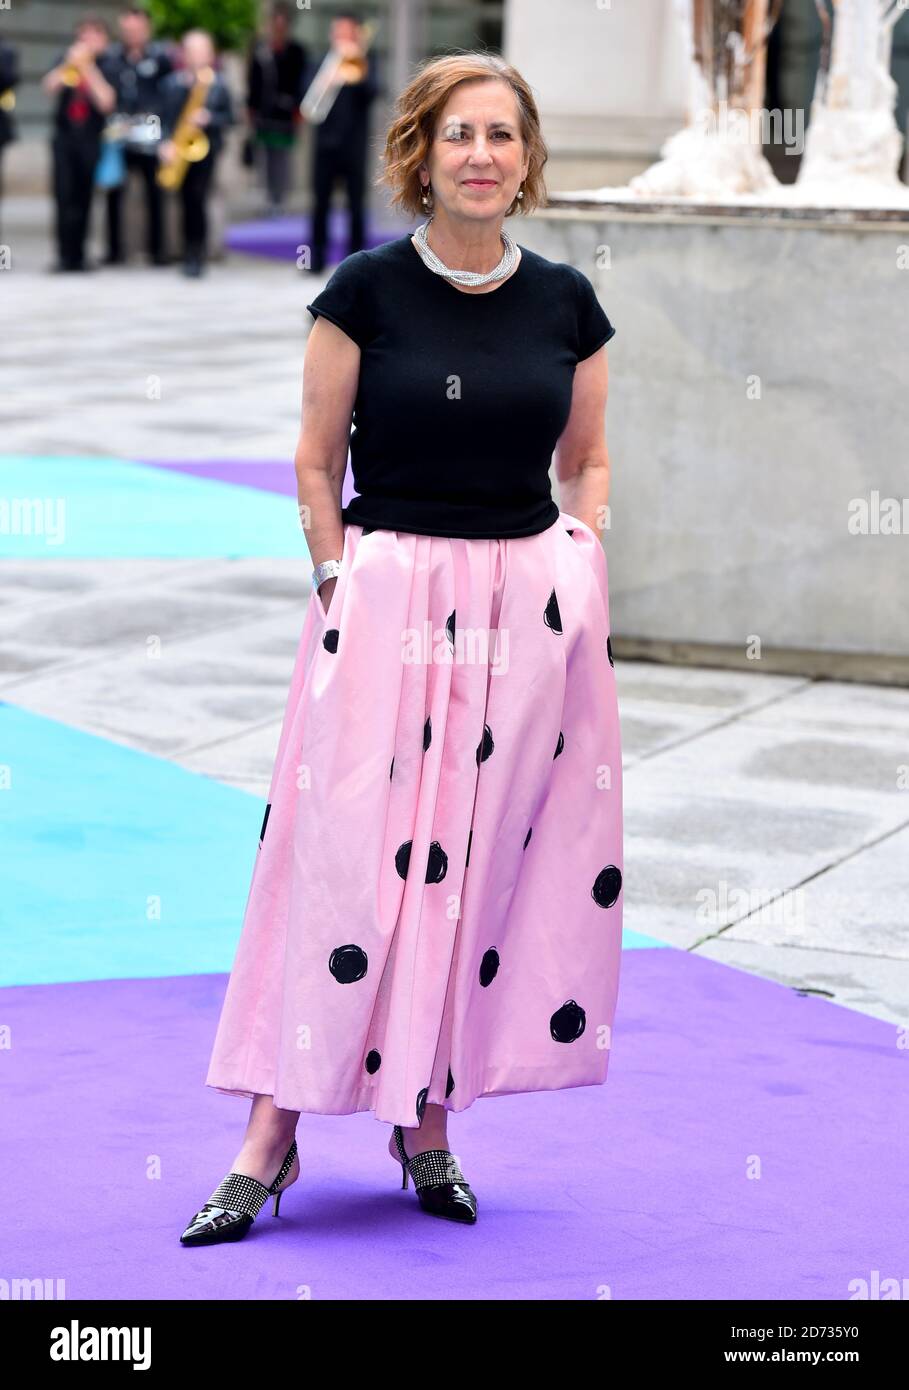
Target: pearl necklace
x,y
466,277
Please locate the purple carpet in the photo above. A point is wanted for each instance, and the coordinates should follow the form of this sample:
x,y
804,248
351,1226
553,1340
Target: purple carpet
x,y
280,238
274,475
749,1143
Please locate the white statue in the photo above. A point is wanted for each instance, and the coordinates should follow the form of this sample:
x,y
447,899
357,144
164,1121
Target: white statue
x,y
718,153
852,147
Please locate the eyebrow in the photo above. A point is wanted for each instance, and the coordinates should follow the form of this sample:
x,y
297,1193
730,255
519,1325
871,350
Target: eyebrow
x,y
456,120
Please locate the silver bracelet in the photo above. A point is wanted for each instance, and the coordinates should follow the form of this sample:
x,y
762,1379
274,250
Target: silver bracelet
x,y
328,569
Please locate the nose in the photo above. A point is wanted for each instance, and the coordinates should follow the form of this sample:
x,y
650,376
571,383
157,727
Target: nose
x,y
480,152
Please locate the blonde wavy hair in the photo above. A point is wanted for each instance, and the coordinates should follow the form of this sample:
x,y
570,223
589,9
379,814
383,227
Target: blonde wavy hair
x,y
417,113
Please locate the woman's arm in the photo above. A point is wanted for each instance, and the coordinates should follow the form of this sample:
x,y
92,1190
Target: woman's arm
x,y
52,80
331,370
103,95
581,456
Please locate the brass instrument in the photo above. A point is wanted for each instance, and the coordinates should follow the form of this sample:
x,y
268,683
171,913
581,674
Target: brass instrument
x,y
70,75
334,72
192,143
7,99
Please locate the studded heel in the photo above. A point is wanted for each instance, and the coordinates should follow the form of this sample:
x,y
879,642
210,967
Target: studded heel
x,y
440,1185
234,1205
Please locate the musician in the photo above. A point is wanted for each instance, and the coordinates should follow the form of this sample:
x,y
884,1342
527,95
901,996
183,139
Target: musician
x,y
274,78
9,77
141,65
81,81
340,143
214,117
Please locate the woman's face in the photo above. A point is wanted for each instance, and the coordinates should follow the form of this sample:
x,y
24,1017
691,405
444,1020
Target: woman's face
x,y
477,162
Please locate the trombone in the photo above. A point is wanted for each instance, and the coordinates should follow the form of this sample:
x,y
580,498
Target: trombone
x,y
335,72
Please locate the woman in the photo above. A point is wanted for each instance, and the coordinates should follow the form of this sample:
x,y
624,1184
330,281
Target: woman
x,y
213,116
435,912
81,82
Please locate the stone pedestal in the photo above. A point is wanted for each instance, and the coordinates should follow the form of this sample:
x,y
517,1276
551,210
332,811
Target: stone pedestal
x,y
755,427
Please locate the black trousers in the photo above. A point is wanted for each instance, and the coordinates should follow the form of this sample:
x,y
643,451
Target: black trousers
x,y
146,165
74,156
194,192
347,162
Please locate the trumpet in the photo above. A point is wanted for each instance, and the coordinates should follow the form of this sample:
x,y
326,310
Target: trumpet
x,y
336,70
191,142
70,75
7,99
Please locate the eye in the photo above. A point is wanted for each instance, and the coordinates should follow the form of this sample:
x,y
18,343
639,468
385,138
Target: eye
x,y
455,133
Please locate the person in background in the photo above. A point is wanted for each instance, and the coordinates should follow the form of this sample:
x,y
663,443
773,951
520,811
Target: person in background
x,y
140,65
81,81
213,117
274,90
9,77
340,144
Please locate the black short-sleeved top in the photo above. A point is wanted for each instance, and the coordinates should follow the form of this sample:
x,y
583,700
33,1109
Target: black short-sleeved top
x,y
461,397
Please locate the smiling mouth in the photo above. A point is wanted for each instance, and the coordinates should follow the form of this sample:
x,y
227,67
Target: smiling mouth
x,y
483,183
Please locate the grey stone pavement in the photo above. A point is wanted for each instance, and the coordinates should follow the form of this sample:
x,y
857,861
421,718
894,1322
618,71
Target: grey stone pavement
x,y
767,816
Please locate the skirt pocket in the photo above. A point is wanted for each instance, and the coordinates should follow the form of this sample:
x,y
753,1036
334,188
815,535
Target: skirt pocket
x,y
589,544
326,613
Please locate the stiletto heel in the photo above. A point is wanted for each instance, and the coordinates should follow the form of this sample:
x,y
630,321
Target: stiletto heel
x,y
440,1185
234,1205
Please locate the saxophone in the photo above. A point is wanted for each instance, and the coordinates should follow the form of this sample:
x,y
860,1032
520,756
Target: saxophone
x,y
192,143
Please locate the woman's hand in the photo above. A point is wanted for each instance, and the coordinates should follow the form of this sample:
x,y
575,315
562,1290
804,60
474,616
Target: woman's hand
x,y
78,55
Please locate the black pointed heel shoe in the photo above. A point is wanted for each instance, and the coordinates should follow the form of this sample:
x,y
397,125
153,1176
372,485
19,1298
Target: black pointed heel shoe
x,y
440,1185
234,1205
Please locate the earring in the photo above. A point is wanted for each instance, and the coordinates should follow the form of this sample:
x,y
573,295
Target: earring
x,y
423,198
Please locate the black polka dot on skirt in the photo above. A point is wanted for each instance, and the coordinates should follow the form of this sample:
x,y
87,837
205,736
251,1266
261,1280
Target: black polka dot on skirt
x,y
421,1104
559,746
469,838
347,964
486,746
373,1061
527,837
436,863
330,639
489,966
609,649
264,823
567,1023
391,770
449,1085
607,887
450,626
427,733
